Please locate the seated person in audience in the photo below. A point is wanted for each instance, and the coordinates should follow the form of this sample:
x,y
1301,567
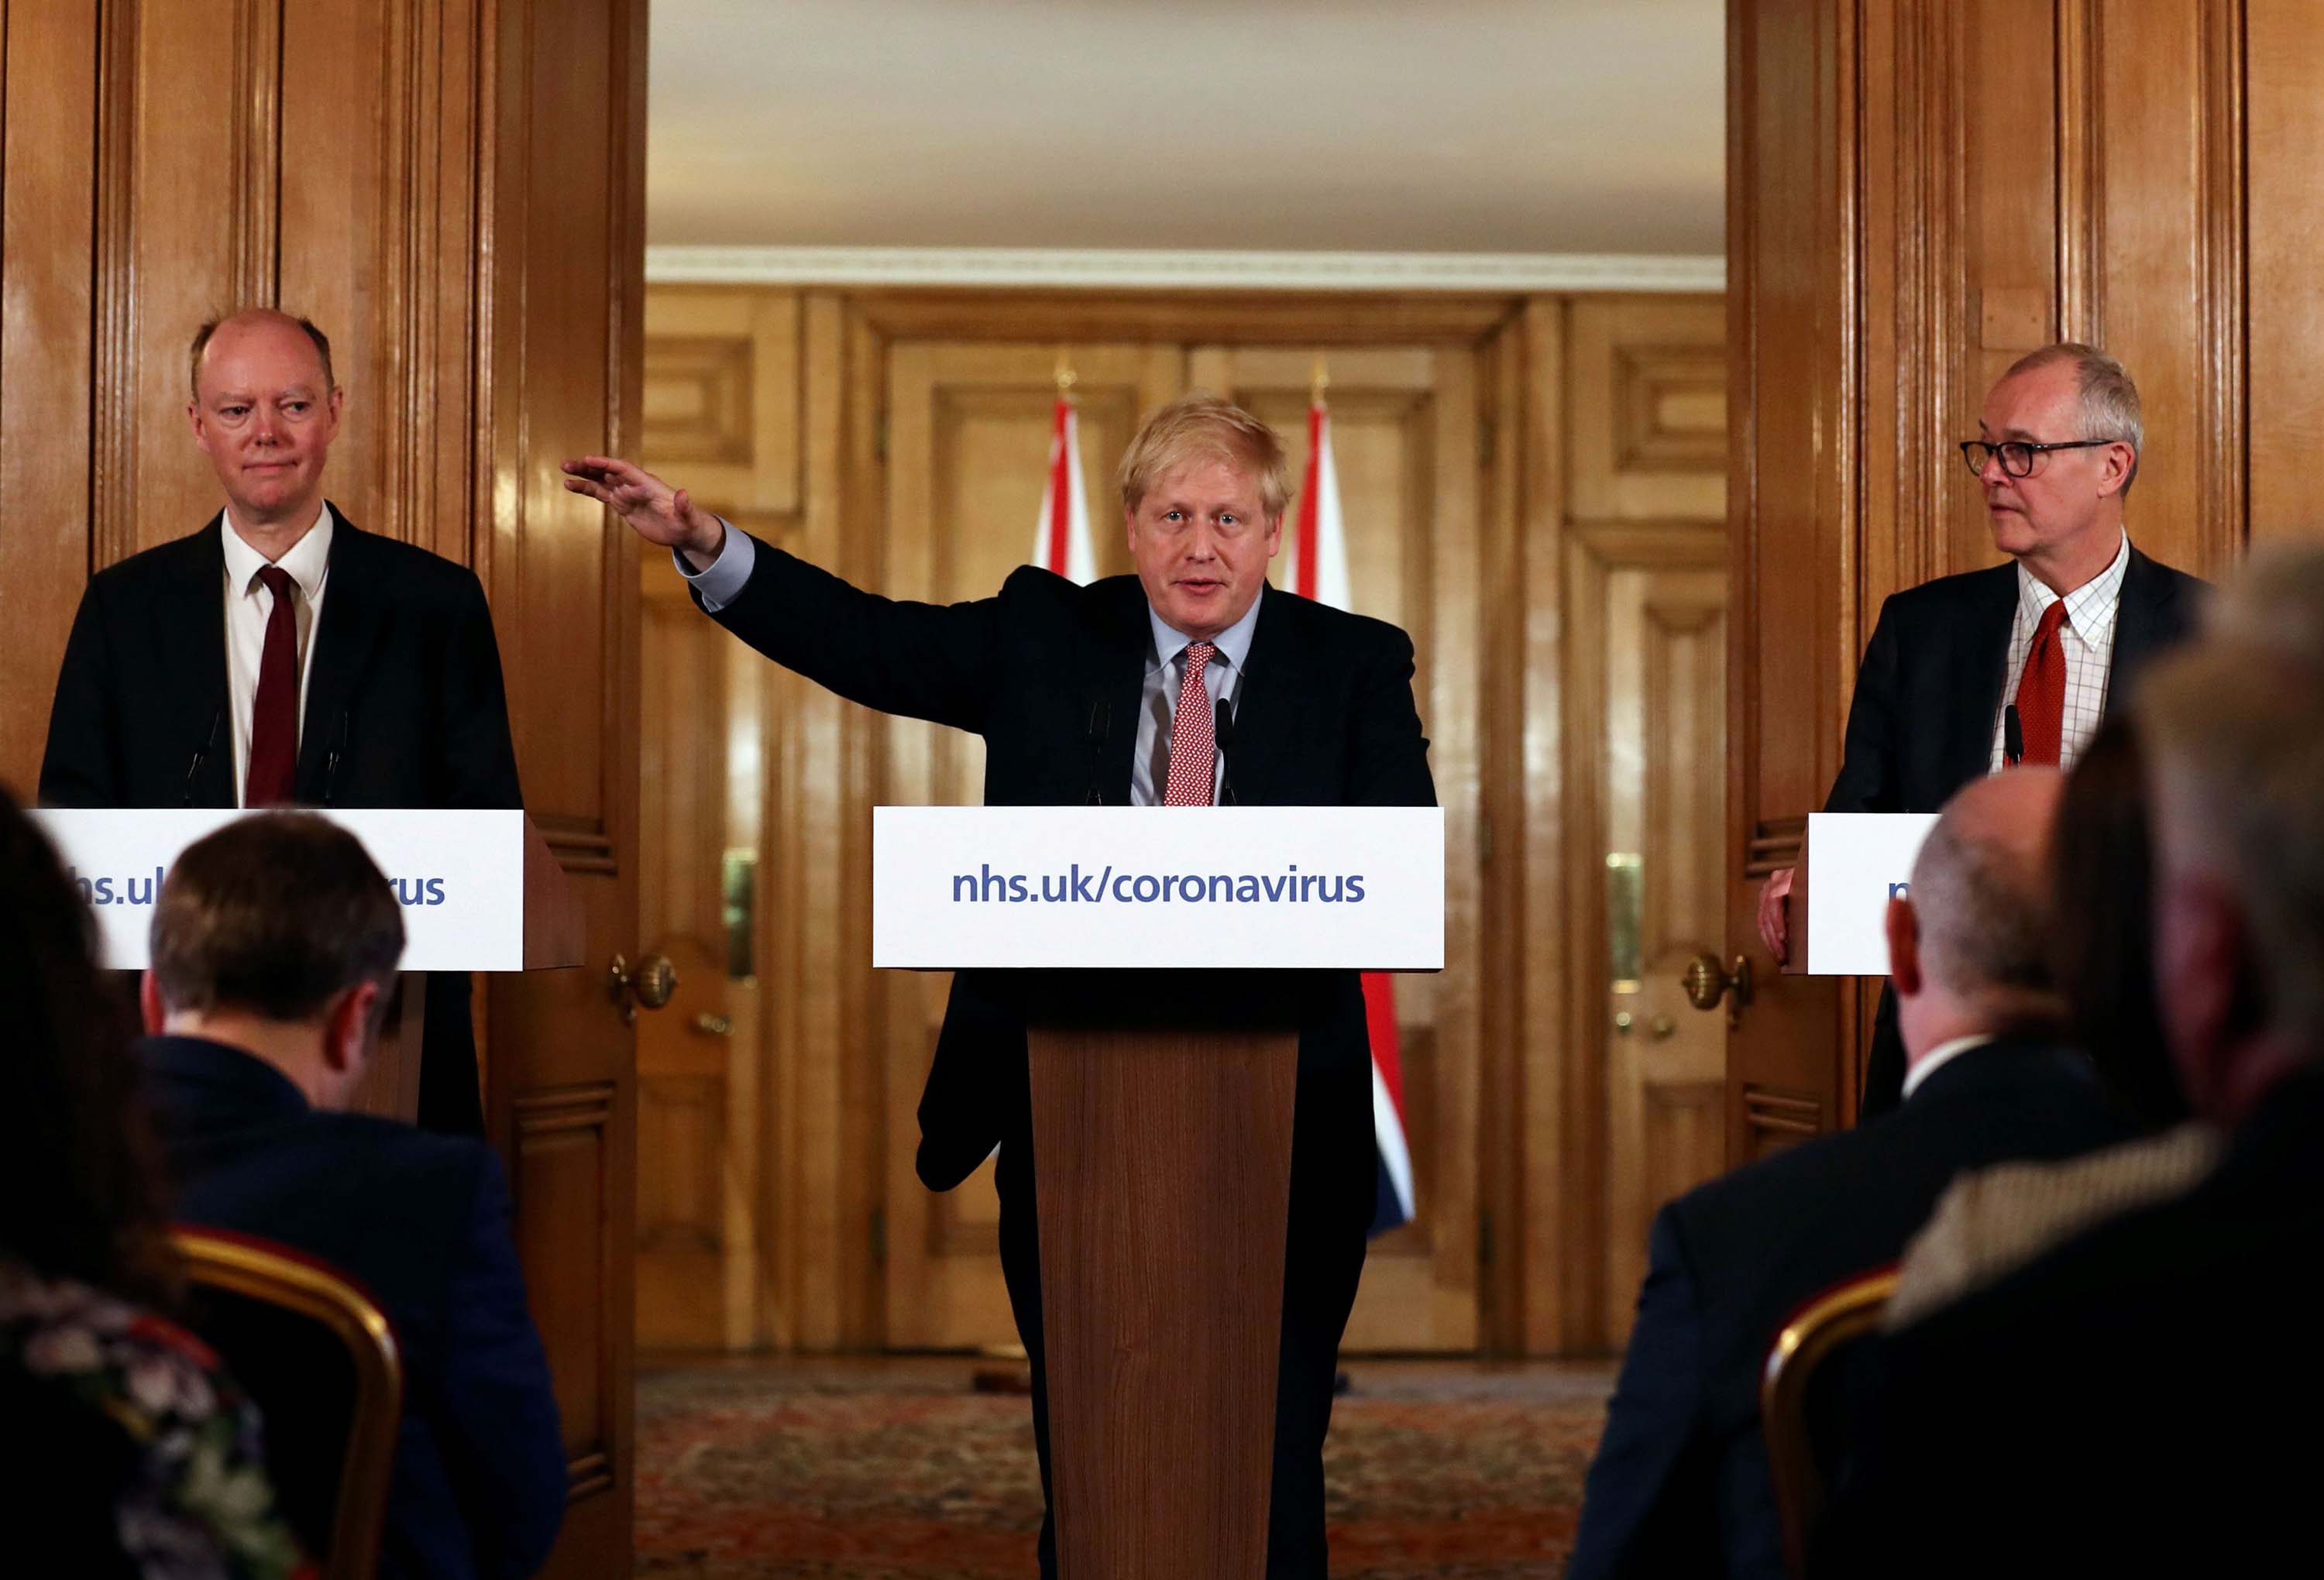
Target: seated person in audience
x,y
275,941
1680,1486
128,1453
2143,1400
2102,952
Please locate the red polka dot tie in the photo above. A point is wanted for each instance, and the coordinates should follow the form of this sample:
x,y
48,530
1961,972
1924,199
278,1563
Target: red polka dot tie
x,y
2041,691
1193,761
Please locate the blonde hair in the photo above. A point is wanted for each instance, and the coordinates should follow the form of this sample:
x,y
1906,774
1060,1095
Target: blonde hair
x,y
1201,425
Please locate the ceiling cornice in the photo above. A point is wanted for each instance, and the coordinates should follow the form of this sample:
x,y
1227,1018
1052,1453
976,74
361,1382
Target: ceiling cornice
x,y
1131,268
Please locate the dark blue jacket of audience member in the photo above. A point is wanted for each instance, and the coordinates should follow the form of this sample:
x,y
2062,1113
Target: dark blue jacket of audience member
x,y
422,1222
1680,1486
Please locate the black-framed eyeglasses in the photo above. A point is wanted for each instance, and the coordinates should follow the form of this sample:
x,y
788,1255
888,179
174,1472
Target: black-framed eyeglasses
x,y
2017,456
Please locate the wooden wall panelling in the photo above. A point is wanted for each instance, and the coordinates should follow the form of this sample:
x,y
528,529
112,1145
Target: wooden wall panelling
x,y
1501,843
48,242
722,397
2285,131
1649,445
1795,310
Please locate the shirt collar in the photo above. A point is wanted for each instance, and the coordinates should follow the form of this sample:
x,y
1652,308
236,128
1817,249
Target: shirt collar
x,y
1233,643
2090,608
1943,1053
305,560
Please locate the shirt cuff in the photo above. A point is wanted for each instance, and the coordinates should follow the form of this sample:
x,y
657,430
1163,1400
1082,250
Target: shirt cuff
x,y
721,583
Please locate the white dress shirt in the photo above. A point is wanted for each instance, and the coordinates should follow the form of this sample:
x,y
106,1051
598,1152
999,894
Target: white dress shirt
x,y
2087,643
1943,1053
248,606
720,582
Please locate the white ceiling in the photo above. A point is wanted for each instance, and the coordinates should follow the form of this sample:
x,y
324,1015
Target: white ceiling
x,y
1376,125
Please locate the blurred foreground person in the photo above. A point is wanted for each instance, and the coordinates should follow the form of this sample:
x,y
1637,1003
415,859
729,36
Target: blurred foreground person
x,y
275,941
126,1453
1680,1486
2143,1400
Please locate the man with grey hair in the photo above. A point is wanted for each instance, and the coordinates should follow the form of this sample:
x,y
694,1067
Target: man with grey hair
x,y
2018,663
1680,1485
2137,1400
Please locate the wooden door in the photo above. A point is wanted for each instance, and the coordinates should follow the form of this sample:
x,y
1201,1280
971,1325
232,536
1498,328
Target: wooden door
x,y
1406,440
562,359
968,444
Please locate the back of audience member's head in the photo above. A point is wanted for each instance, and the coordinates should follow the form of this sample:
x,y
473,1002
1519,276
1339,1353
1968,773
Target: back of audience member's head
x,y
80,1182
278,934
1974,932
2102,942
2235,732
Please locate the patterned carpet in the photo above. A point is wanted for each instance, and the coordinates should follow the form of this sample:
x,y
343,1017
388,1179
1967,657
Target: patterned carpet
x,y
895,1469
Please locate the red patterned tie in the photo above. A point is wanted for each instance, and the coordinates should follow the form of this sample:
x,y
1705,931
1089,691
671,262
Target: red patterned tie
x,y
2041,691
1193,763
274,716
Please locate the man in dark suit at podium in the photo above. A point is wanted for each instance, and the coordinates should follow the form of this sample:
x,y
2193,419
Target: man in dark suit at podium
x,y
280,654
274,943
1110,693
2018,662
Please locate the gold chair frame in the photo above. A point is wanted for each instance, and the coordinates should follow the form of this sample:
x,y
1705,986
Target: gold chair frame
x,y
1806,1341
243,1267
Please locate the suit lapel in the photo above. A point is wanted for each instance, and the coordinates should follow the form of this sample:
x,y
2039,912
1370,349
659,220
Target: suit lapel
x,y
353,614
2140,629
1124,640
200,640
1981,664
1266,679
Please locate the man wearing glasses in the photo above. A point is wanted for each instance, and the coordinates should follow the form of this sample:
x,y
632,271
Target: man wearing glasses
x,y
1972,673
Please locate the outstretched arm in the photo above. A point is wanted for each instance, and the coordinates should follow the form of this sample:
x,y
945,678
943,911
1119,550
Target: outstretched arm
x,y
654,510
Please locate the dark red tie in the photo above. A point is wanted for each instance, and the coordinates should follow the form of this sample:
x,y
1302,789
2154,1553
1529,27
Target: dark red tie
x,y
274,717
2041,691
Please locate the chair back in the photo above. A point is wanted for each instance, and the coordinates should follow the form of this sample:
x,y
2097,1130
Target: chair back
x,y
1793,1403
315,1353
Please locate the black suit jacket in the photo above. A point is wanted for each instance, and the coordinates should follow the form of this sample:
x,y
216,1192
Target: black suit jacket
x,y
1051,675
404,700
1919,725
422,1222
405,708
1680,1485
2142,1401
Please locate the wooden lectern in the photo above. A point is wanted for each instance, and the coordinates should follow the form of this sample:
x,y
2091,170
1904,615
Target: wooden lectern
x,y
1162,1035
1164,1145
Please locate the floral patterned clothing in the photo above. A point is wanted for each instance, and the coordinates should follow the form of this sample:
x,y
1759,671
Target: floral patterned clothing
x,y
196,1504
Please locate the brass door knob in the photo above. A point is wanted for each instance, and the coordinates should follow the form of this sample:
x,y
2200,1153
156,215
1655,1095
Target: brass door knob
x,y
649,986
1706,984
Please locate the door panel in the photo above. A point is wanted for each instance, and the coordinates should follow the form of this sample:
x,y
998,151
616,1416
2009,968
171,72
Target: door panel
x,y
969,431
1406,441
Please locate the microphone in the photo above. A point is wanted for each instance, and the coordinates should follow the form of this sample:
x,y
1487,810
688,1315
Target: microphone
x,y
1099,713
1223,732
2012,737
201,753
338,749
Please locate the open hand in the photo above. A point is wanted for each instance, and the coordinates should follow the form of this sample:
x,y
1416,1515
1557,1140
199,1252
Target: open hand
x,y
656,511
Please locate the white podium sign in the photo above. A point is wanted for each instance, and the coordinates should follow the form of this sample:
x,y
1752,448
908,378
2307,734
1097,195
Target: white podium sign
x,y
1259,887
459,875
1855,861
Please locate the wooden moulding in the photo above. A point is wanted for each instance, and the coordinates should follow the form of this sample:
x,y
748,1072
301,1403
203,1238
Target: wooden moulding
x,y
555,934
1164,1181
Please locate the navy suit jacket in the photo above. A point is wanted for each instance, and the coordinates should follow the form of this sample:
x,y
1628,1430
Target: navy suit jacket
x,y
422,1222
1680,1485
1051,675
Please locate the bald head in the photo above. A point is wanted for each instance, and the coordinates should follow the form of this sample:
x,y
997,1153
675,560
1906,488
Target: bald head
x,y
259,326
1981,888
